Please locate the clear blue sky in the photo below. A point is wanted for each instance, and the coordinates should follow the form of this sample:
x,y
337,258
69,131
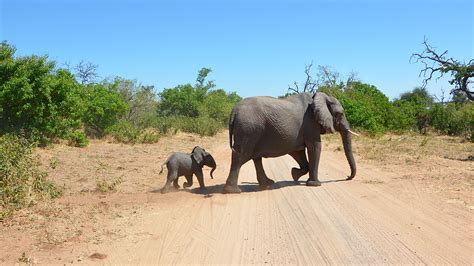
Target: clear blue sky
x,y
254,47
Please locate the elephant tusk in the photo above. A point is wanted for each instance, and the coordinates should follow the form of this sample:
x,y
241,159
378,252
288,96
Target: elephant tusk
x,y
353,133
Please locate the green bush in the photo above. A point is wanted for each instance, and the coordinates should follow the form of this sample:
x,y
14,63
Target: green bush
x,y
217,105
182,100
103,109
140,99
203,126
22,183
454,119
77,139
365,106
125,132
36,99
196,109
412,111
168,125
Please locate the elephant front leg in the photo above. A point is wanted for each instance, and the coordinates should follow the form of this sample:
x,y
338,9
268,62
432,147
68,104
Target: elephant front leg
x,y
314,153
300,158
263,180
189,181
200,178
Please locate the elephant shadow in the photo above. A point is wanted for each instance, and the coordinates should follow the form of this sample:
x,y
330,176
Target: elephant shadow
x,y
248,187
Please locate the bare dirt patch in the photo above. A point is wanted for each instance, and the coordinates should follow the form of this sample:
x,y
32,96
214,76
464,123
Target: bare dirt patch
x,y
105,185
440,164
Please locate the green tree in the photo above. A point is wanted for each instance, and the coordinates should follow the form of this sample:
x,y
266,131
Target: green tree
x,y
104,108
141,100
184,100
366,107
36,98
218,104
413,110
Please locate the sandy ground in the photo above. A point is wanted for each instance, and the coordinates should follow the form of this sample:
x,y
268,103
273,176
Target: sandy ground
x,y
387,214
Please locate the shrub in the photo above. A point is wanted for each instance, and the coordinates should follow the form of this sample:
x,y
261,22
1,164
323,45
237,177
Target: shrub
x,y
412,111
454,119
22,183
182,100
77,139
208,108
365,106
104,186
217,105
149,135
37,99
203,126
125,132
165,125
104,108
140,99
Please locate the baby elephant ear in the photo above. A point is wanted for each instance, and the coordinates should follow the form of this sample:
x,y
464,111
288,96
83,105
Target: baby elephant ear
x,y
198,154
321,112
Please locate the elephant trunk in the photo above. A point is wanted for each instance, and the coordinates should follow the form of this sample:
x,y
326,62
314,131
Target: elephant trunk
x,y
347,142
212,163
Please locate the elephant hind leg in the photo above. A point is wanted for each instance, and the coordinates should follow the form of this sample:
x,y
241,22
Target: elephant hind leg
x,y
233,178
263,180
171,178
300,158
175,183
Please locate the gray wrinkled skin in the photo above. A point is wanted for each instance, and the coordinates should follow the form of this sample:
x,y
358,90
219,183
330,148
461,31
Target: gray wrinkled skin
x,y
261,127
187,165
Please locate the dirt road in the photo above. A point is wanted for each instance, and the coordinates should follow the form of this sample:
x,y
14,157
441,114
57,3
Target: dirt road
x,y
339,222
367,220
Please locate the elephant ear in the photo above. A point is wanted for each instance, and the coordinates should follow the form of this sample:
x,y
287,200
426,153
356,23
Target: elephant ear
x,y
322,113
198,155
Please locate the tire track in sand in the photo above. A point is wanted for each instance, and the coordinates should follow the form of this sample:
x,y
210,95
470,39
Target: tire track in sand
x,y
337,223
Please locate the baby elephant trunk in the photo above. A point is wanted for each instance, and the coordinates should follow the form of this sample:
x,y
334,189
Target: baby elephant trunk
x,y
212,164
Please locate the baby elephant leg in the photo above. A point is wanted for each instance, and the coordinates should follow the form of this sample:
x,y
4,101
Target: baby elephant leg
x,y
200,178
175,183
189,181
171,178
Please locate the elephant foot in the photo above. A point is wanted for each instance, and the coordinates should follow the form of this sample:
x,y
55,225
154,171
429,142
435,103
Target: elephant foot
x,y
231,189
267,183
296,173
313,183
165,190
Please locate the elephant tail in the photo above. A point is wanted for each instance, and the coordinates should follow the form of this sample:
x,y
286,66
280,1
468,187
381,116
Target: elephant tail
x,y
166,162
231,128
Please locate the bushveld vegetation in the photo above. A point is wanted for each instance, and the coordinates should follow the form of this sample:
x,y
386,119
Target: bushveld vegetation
x,y
369,110
41,103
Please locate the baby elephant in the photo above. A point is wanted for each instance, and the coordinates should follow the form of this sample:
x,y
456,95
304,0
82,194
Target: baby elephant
x,y
187,164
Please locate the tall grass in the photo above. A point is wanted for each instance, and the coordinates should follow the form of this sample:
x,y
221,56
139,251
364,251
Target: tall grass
x,y
203,125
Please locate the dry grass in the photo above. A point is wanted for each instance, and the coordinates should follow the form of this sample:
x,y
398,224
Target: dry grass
x,y
442,164
406,149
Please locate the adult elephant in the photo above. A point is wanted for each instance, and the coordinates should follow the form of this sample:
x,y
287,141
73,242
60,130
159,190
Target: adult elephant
x,y
261,127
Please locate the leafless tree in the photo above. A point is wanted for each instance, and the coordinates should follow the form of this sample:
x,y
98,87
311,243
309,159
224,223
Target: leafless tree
x,y
310,85
86,72
436,64
325,77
